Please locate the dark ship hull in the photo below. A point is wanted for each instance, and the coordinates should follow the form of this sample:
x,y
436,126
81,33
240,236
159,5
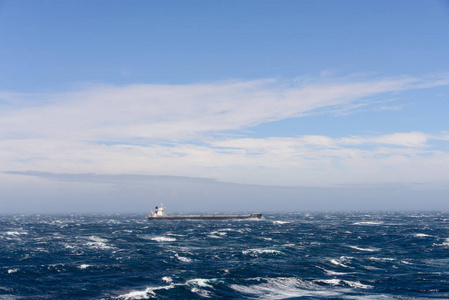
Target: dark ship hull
x,y
206,217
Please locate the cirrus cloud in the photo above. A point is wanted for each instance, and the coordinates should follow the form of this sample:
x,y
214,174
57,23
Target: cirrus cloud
x,y
177,130
174,112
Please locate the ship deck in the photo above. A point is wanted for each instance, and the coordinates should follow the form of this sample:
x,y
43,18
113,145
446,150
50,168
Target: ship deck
x,y
206,217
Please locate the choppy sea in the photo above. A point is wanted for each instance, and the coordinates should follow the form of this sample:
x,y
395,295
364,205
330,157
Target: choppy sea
x,y
282,256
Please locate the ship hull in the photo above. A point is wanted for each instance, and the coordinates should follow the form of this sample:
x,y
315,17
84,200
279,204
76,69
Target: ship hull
x,y
207,217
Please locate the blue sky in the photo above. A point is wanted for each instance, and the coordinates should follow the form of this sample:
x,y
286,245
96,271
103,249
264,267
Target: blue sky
x,y
316,104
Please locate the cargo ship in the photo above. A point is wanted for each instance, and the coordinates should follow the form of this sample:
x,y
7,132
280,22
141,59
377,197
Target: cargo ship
x,y
160,213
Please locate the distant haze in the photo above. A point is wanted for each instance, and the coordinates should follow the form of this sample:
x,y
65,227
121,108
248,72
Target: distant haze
x,y
57,193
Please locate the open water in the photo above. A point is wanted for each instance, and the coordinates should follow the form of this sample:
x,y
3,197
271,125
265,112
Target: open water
x,y
282,256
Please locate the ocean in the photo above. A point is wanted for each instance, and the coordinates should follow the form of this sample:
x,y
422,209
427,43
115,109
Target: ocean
x,y
346,255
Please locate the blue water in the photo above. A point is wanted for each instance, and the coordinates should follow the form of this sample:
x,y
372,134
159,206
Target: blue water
x,y
282,256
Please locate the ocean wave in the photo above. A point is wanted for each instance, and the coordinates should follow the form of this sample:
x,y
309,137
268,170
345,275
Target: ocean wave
x,y
382,259
281,222
369,249
284,288
231,229
84,266
182,258
199,282
256,252
146,294
333,273
368,223
167,279
216,234
16,233
96,242
338,263
320,258
198,286
163,239
421,235
344,283
445,243
341,261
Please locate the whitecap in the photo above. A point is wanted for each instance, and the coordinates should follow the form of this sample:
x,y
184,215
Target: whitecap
x,y
421,235
216,234
382,259
337,263
84,266
15,233
281,222
229,229
197,286
357,284
146,294
167,279
443,244
199,282
332,273
40,249
368,223
175,234
12,233
182,258
68,246
255,252
145,236
340,282
10,271
98,243
371,268
220,233
98,239
163,239
202,293
114,222
364,249
330,281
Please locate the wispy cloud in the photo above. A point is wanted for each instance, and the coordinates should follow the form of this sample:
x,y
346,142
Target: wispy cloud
x,y
173,130
401,158
173,112
324,161
405,139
